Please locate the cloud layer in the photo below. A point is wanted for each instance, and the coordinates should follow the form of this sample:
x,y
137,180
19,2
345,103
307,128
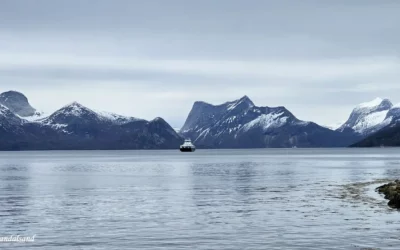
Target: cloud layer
x,y
155,58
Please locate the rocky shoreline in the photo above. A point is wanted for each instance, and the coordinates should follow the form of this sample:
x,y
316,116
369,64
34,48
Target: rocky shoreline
x,y
391,192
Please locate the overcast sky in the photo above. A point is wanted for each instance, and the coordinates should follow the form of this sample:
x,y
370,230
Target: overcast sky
x,y
149,58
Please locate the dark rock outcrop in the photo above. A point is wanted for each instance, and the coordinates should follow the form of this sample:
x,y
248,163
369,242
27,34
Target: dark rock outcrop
x,y
392,193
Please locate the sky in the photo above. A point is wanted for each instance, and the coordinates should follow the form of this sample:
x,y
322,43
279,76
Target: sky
x,y
156,58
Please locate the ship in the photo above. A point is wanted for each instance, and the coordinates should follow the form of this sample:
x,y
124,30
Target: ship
x,y
187,146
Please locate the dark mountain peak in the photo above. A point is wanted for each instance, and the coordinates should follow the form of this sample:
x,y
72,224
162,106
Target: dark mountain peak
x,y
243,102
160,126
72,113
17,103
158,119
75,104
200,105
386,103
13,93
246,99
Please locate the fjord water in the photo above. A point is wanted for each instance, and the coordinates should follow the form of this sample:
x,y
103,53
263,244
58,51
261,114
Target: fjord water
x,y
210,199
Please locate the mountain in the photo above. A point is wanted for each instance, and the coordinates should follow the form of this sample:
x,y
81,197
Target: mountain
x,y
241,124
368,117
388,133
75,126
9,122
388,136
393,115
17,133
17,103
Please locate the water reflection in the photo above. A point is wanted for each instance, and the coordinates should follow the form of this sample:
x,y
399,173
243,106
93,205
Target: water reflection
x,y
240,199
15,197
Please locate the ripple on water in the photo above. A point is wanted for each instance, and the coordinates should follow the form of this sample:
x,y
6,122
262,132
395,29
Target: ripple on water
x,y
236,200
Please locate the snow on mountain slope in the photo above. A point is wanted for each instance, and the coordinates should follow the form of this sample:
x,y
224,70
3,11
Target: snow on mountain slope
x,y
369,121
36,116
368,117
266,121
119,119
76,110
334,126
371,104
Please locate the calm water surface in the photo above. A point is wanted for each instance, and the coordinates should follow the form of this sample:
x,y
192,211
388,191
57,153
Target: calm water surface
x,y
210,199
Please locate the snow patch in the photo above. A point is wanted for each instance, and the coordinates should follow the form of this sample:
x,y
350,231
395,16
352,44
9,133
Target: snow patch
x,y
203,134
120,119
35,117
370,120
266,121
334,126
376,102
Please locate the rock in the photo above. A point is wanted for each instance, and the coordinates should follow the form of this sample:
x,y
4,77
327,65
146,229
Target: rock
x,y
17,103
391,192
395,201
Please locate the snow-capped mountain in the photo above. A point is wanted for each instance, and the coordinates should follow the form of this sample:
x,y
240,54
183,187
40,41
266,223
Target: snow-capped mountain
x,y
75,126
370,117
387,136
242,124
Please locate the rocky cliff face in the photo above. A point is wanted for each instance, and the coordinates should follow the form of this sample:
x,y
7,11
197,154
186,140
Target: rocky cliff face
x,y
17,103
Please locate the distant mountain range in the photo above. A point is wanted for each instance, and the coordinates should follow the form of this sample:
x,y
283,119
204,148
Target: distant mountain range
x,y
77,127
234,124
241,124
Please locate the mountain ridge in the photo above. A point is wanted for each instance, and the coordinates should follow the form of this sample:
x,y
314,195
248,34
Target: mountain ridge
x,y
240,123
75,126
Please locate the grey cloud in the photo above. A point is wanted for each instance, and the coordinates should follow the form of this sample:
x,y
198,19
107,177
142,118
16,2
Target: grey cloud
x,y
309,55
